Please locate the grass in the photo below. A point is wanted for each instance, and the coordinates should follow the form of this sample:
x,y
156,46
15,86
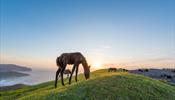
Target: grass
x,y
102,86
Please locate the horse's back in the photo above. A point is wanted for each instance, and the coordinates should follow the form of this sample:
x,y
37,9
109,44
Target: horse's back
x,y
72,57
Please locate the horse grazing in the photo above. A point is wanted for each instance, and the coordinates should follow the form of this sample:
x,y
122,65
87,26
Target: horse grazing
x,y
112,69
71,58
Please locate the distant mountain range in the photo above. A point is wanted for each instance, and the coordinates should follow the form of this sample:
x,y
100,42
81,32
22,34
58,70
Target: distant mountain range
x,y
13,67
13,71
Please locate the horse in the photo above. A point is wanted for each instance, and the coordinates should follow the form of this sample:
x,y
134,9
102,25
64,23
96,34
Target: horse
x,y
112,69
74,59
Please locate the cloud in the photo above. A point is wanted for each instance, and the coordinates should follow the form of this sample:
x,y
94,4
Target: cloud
x,y
161,59
105,47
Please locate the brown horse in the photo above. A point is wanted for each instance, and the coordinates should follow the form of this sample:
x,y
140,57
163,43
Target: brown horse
x,y
71,58
112,69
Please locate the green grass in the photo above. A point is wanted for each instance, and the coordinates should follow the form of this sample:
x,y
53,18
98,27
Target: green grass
x,y
101,86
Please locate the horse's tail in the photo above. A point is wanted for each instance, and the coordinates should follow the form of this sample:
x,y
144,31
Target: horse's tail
x,y
58,61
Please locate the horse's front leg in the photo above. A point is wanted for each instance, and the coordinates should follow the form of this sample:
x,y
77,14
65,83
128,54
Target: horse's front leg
x,y
56,78
76,73
73,69
62,71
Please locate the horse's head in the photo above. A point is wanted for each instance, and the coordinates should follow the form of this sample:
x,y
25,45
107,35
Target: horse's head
x,y
87,72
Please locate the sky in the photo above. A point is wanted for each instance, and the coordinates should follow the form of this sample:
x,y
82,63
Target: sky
x,y
122,33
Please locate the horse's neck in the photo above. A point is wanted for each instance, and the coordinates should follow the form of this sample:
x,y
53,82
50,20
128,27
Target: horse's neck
x,y
85,65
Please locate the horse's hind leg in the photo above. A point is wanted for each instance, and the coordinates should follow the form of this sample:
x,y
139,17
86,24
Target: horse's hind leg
x,y
56,78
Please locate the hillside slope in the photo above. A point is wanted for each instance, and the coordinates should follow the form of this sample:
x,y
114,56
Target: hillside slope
x,y
101,86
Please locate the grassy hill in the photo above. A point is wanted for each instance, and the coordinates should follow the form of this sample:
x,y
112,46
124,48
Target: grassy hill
x,y
101,86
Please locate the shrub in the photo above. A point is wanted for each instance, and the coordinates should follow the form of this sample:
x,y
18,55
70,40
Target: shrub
x,y
146,70
169,76
140,70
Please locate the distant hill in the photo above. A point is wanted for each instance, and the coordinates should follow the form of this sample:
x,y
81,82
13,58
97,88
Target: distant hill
x,y
13,87
102,85
12,71
13,67
167,75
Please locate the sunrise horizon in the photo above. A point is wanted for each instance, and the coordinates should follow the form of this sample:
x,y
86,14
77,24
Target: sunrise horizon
x,y
127,34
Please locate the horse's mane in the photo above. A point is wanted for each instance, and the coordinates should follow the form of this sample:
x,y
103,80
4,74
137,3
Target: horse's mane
x,y
84,63
58,61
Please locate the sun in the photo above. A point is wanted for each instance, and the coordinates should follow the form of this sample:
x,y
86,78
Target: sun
x,y
97,65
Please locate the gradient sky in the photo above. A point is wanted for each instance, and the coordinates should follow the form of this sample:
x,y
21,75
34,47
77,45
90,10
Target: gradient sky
x,y
129,33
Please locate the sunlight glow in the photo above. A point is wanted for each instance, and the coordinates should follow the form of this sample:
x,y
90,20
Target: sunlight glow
x,y
97,65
